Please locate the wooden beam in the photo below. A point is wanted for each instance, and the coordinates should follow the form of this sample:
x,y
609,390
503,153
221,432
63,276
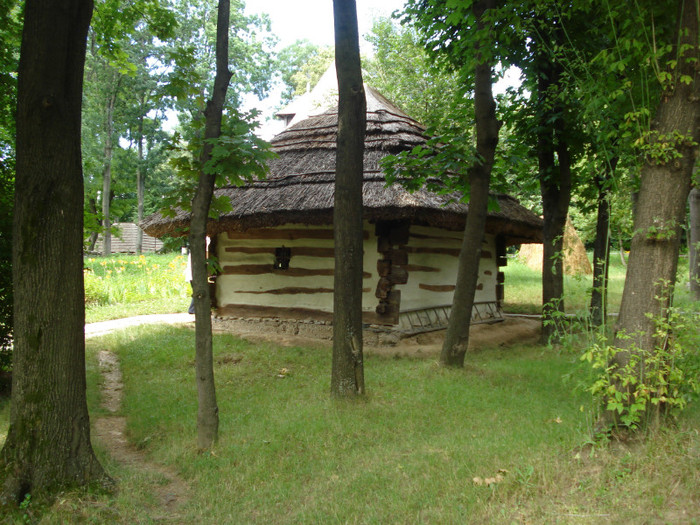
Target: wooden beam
x,y
306,251
434,237
293,290
437,287
418,268
261,269
454,252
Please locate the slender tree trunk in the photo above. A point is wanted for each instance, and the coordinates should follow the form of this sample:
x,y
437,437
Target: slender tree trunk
x,y
487,125
601,247
347,374
621,247
107,175
555,187
140,185
208,410
693,240
48,443
92,240
660,211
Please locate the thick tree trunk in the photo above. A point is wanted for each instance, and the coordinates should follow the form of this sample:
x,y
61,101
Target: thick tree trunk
x,y
693,240
660,211
208,410
601,248
48,444
140,186
107,175
487,125
347,374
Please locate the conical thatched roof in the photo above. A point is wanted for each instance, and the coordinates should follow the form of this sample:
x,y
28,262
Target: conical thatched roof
x,y
300,183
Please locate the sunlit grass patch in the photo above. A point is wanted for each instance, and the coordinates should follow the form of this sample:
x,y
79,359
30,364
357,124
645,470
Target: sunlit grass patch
x,y
523,288
126,285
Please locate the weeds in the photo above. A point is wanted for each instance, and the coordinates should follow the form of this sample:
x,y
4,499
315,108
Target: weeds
x,y
125,285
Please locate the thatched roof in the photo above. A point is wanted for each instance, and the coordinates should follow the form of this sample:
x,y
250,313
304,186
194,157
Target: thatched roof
x,y
300,184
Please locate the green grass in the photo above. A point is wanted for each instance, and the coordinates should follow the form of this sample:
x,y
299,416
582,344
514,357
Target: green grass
x,y
408,453
127,285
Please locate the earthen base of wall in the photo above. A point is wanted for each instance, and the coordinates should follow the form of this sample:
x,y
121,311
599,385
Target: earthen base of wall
x,y
321,330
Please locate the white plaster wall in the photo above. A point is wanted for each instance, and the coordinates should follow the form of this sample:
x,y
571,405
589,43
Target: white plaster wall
x,y
413,297
231,288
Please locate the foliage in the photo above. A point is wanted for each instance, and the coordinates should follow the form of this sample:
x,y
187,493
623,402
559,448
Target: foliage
x,y
401,69
300,66
190,58
659,381
10,35
238,156
130,280
6,296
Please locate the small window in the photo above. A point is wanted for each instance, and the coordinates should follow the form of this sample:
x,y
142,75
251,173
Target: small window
x,y
282,256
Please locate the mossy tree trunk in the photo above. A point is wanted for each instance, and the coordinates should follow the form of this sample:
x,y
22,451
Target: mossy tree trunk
x,y
487,125
347,374
48,443
660,209
208,410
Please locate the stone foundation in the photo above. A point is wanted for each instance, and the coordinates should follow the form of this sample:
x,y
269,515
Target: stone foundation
x,y
321,330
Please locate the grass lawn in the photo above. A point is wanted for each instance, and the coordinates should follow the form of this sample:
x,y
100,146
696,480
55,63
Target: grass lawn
x,y
504,440
408,453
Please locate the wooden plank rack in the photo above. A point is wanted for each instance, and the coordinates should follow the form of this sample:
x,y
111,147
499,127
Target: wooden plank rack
x,y
436,318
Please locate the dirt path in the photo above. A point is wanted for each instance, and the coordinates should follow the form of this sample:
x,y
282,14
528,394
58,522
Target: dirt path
x,y
105,327
170,489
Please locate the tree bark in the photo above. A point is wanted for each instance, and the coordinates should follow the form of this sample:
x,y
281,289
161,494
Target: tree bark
x,y
48,443
660,211
140,184
92,239
347,373
487,126
555,187
693,240
208,410
107,174
601,247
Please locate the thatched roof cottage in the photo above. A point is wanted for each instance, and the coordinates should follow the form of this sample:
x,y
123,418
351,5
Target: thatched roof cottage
x,y
275,247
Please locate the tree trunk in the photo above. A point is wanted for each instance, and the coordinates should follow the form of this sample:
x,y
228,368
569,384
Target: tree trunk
x,y
347,374
92,239
107,175
48,443
660,211
208,410
555,187
693,240
140,185
487,125
601,247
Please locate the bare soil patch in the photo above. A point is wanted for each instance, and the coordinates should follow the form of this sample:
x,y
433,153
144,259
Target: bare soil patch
x,y
171,490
